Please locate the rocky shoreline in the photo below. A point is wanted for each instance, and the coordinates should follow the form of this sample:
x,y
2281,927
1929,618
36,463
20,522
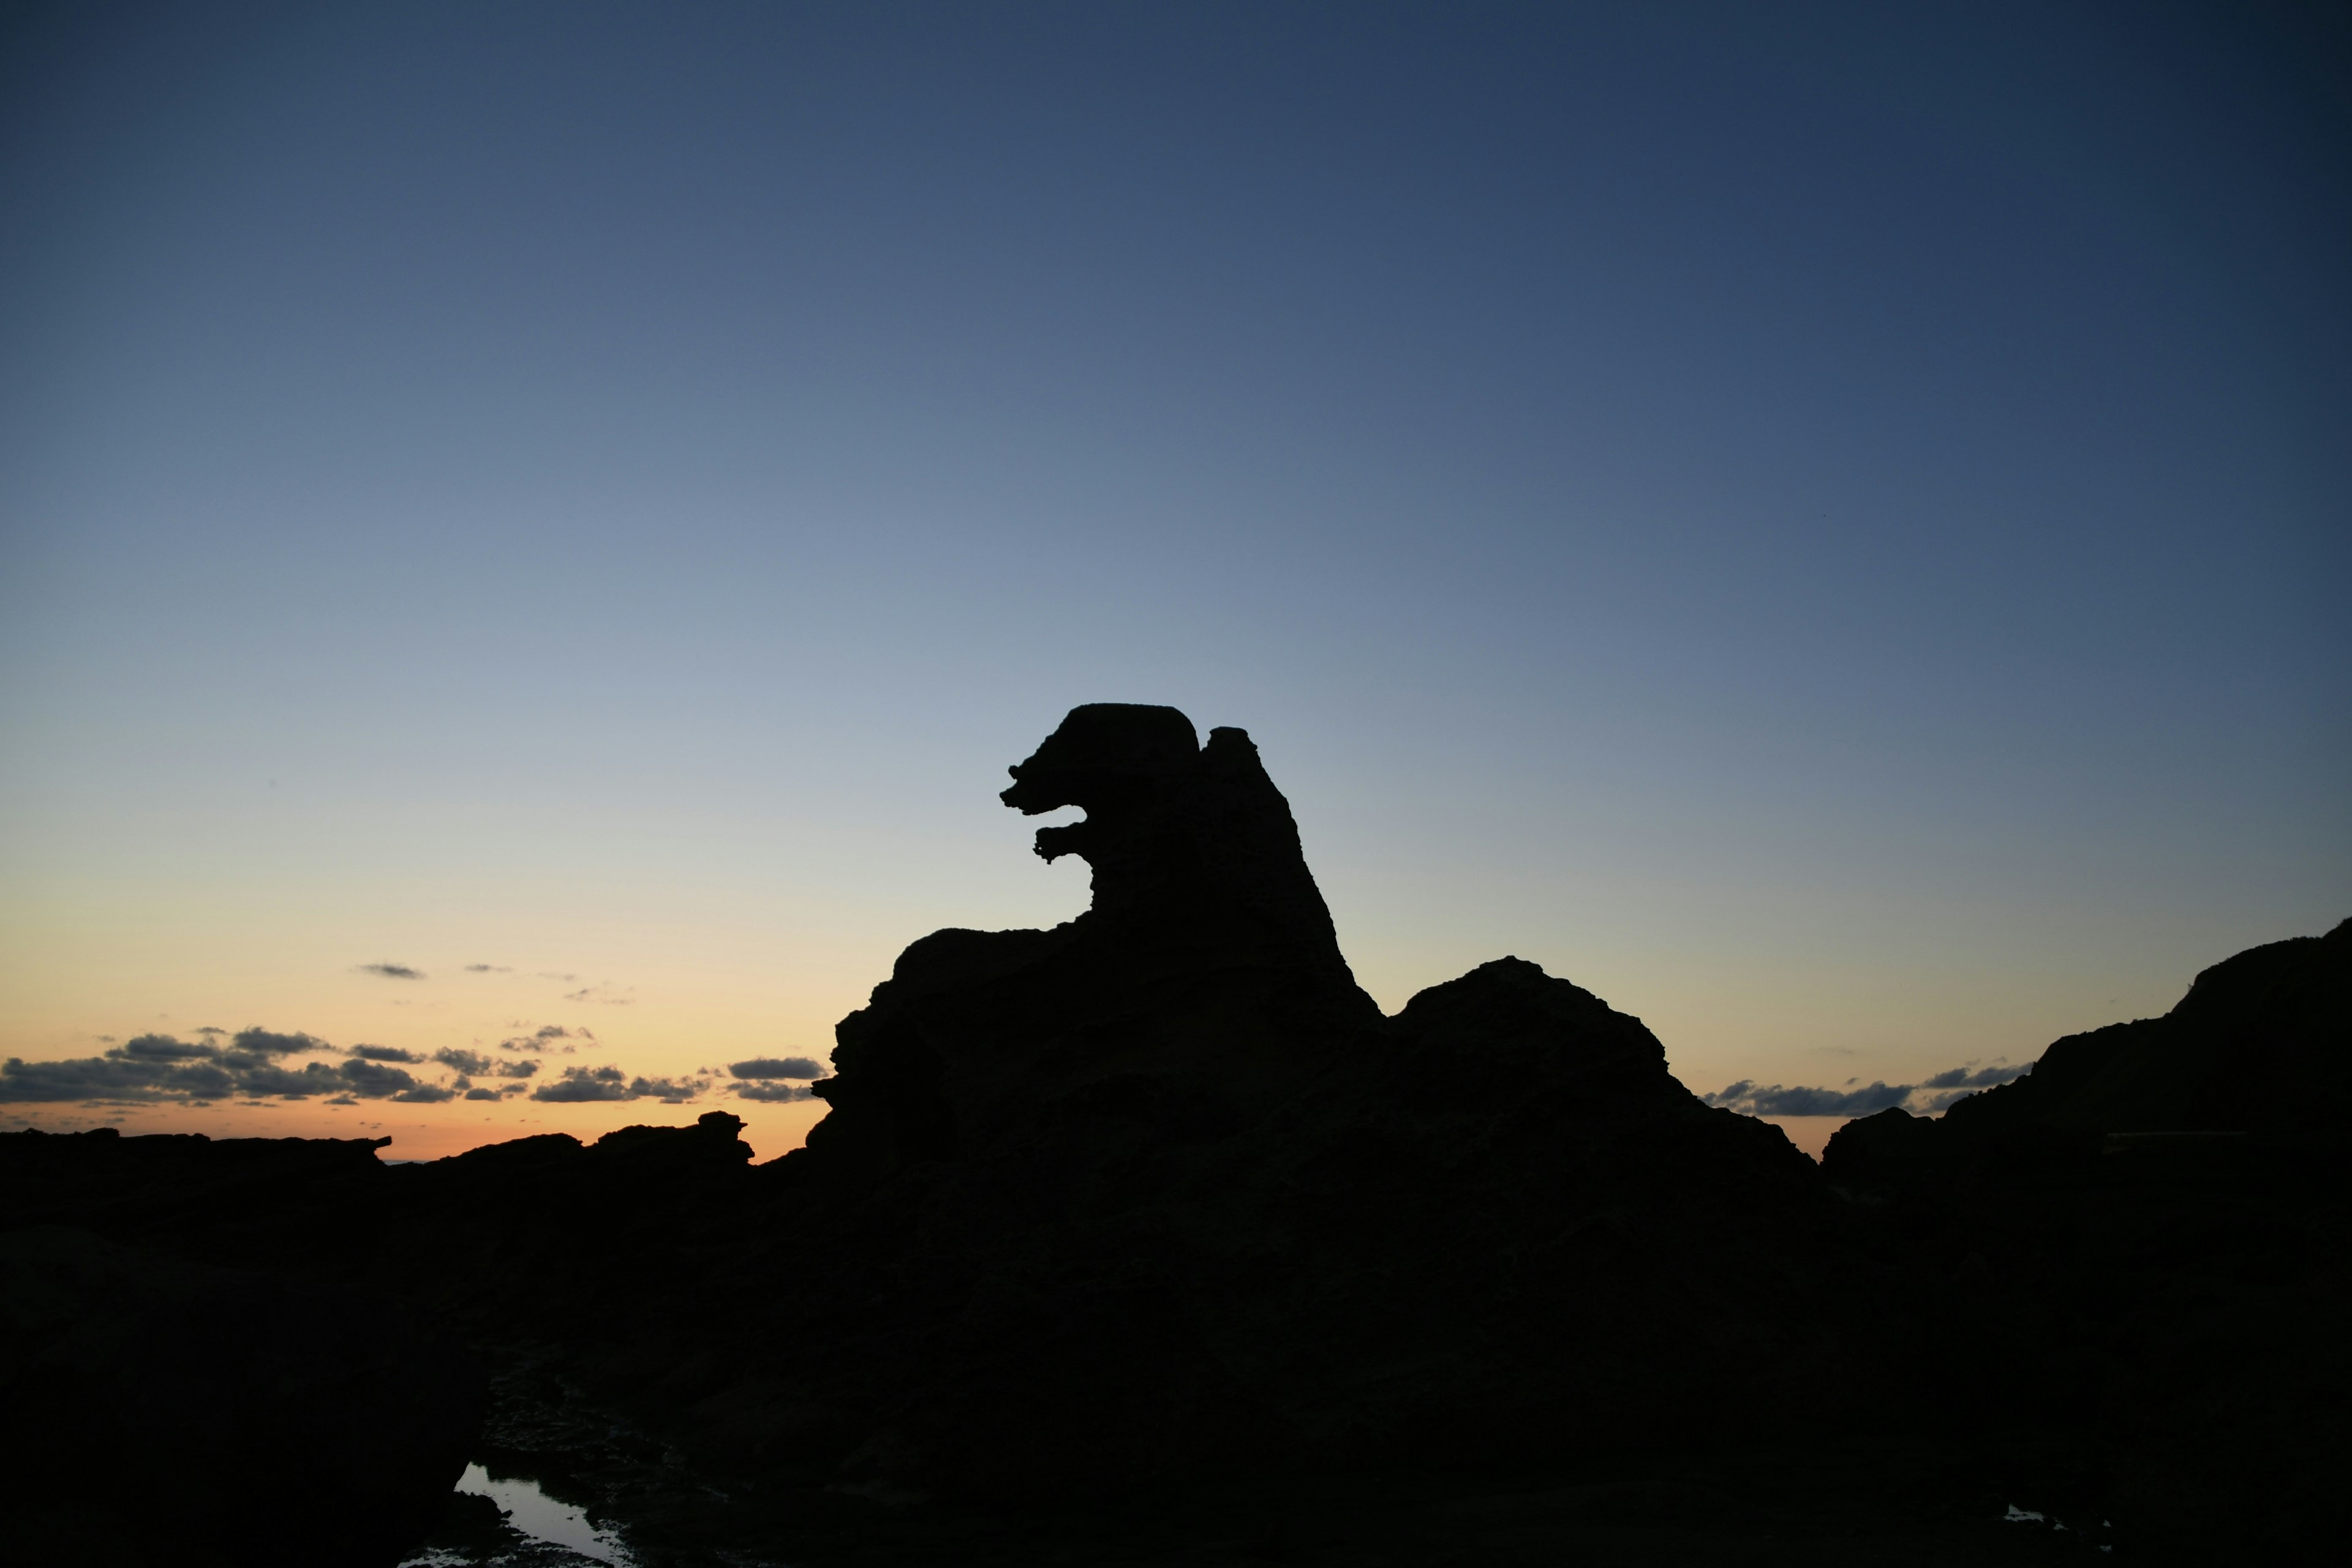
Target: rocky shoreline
x,y
1150,1239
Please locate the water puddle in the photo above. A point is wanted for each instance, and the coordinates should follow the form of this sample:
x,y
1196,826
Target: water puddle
x,y
531,1513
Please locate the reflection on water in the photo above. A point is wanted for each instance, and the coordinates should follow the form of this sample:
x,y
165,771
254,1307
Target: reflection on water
x,y
531,1512
540,1516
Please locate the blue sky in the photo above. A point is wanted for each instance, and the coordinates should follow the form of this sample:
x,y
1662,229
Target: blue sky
x,y
1830,532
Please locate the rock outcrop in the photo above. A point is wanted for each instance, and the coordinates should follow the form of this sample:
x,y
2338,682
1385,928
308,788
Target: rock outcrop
x,y
1159,1195
2254,1060
2148,1236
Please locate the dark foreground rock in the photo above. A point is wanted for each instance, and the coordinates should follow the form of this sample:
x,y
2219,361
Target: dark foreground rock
x,y
161,1412
1147,1238
2151,1237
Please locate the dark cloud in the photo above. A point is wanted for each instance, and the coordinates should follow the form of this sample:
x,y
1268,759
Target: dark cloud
x,y
473,1064
1929,1095
487,969
582,1084
212,1029
385,1054
1775,1101
316,1078
545,1037
516,1069
481,1094
392,971
342,1099
424,1094
1983,1078
259,1042
579,1084
777,1067
164,1049
371,1080
112,1077
769,1091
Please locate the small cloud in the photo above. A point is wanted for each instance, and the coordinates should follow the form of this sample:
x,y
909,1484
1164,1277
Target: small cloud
x,y
212,1029
517,1070
392,971
1755,1099
385,1054
481,1094
473,1064
342,1099
164,1048
371,1081
260,1042
579,1085
1982,1077
603,995
777,1067
773,1093
545,1038
424,1094
550,974
263,1078
487,969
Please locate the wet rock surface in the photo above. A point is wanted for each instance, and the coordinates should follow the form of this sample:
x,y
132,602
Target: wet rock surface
x,y
1147,1238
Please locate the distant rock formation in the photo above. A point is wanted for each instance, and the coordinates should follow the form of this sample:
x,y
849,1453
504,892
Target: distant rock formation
x,y
2148,1234
2260,1047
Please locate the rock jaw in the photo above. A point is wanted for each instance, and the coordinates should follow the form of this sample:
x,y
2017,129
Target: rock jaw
x,y
1178,834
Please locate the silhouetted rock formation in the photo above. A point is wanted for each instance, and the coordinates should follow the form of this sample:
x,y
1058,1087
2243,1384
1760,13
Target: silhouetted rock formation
x,y
1157,1202
2261,1046
1160,1193
2150,1231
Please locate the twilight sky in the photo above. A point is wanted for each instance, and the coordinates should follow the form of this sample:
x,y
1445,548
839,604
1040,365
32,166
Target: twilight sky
x,y
1826,525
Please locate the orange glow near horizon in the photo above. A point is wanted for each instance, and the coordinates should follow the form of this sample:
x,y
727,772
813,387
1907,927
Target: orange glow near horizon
x,y
437,1131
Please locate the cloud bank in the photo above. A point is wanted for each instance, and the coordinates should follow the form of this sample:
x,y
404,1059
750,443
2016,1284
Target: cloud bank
x,y
576,1086
252,1065
1927,1096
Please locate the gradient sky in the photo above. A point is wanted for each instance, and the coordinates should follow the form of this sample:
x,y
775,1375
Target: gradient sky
x,y
1825,525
